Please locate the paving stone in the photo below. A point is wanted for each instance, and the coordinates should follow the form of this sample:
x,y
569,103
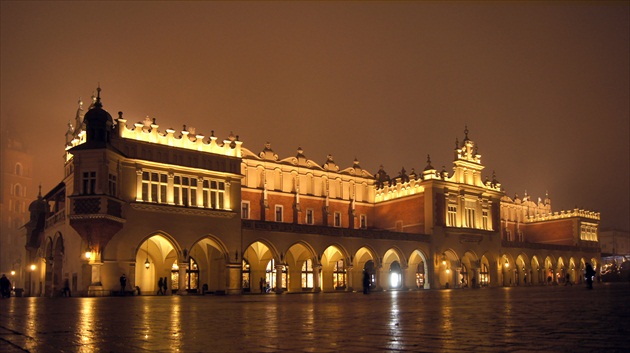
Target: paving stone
x,y
516,319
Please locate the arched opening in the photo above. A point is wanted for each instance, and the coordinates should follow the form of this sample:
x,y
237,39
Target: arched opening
x,y
156,257
334,276
300,263
535,272
549,272
395,276
417,274
207,269
364,261
258,255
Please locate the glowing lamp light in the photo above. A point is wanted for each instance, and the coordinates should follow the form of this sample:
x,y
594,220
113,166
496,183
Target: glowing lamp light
x,y
88,253
12,273
33,267
448,270
147,264
507,264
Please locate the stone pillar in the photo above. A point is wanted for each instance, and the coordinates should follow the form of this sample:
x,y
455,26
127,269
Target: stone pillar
x,y
234,280
131,276
139,185
316,280
403,277
278,283
349,279
96,287
378,275
183,266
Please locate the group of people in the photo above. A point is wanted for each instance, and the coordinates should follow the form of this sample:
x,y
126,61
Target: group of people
x,y
162,286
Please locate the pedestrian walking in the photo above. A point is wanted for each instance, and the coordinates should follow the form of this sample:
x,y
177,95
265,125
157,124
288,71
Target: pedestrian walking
x,y
5,286
160,284
165,284
589,273
123,284
66,288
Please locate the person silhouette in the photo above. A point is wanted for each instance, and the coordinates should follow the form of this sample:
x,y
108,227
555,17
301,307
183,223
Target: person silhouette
x,y
589,273
123,284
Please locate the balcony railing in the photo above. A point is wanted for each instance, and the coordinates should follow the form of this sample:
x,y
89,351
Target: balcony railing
x,y
96,205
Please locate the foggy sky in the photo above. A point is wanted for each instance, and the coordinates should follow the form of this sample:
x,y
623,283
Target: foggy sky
x,y
543,87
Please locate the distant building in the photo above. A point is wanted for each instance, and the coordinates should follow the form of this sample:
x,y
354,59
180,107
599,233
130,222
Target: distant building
x,y
210,215
16,192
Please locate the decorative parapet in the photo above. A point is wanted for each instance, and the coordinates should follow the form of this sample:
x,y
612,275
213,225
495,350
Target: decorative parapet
x,y
148,132
563,214
391,192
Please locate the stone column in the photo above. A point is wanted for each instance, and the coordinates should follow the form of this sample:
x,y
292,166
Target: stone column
x,y
139,185
183,266
403,277
378,275
278,283
131,276
234,280
349,279
316,281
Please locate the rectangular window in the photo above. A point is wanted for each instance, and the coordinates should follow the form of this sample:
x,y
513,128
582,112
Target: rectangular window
x,y
217,194
484,218
177,190
452,216
309,216
337,219
470,218
245,210
363,221
278,213
89,183
153,187
307,274
112,185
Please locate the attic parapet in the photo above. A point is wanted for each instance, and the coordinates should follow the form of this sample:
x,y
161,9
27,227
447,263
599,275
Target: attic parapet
x,y
563,214
392,192
148,132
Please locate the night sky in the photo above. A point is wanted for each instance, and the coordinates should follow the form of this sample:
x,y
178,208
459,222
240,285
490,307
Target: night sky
x,y
542,87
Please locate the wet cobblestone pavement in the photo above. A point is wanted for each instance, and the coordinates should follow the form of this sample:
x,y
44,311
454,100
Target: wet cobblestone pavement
x,y
525,319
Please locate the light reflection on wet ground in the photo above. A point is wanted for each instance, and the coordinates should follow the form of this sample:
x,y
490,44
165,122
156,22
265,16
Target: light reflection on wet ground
x,y
497,319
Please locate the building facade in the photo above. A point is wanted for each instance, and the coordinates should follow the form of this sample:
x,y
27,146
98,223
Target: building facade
x,y
16,192
210,215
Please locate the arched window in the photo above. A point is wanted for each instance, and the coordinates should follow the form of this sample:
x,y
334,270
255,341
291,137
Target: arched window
x,y
339,275
307,274
18,169
246,276
17,190
192,275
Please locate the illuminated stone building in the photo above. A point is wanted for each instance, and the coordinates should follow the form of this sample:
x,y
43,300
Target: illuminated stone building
x,y
16,192
213,216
